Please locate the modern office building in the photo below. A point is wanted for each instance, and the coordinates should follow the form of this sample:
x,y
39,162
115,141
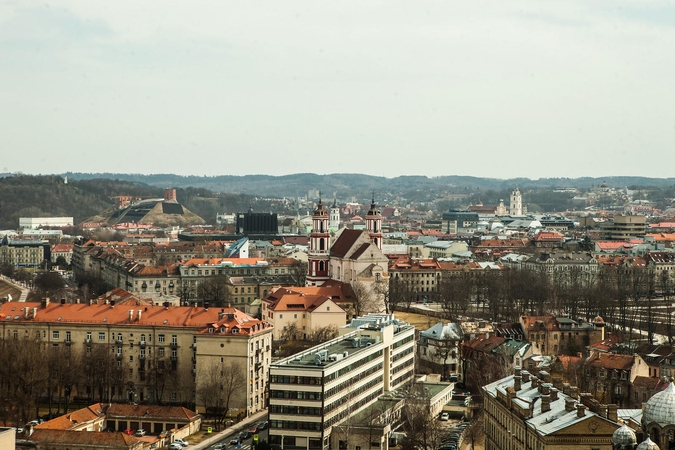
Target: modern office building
x,y
315,395
624,227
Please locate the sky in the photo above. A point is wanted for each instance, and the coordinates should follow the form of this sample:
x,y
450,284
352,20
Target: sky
x,y
486,88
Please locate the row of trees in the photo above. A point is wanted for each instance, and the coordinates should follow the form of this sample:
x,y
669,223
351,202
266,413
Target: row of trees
x,y
33,373
626,297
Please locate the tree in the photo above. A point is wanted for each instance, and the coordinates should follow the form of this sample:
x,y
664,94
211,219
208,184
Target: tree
x,y
418,422
220,386
48,284
320,335
215,290
299,271
364,301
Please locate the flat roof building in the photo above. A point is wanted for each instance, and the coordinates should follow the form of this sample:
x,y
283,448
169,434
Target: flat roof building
x,y
314,395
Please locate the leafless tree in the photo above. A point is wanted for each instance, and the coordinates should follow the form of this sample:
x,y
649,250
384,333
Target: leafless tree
x,y
220,386
323,334
215,290
365,301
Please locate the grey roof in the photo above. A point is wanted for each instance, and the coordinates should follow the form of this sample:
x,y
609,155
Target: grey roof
x,y
648,445
624,436
450,331
542,423
660,408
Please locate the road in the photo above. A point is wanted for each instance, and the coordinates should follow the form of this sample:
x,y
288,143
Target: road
x,y
245,445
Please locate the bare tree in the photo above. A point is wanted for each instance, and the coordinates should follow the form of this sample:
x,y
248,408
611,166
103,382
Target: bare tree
x,y
215,290
323,334
418,422
364,302
220,386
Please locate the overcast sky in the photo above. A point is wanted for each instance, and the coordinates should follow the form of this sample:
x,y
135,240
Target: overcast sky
x,y
486,88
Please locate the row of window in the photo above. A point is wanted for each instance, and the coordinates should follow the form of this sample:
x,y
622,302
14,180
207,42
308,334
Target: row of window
x,y
347,385
330,377
289,379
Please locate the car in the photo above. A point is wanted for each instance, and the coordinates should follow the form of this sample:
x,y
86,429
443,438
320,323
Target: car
x,y
181,442
445,416
262,425
140,432
163,433
220,447
234,441
175,446
33,423
253,429
19,429
244,435
454,378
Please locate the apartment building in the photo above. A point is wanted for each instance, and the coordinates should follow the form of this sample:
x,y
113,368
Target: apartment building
x,y
315,394
622,227
24,252
192,340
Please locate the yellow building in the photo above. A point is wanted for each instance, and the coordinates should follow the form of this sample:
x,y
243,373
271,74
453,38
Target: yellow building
x,y
179,341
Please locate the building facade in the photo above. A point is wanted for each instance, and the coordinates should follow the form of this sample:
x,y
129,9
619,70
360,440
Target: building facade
x,y
315,394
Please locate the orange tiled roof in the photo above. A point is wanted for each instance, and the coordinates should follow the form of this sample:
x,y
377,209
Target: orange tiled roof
x,y
534,323
72,420
80,438
117,410
610,361
198,318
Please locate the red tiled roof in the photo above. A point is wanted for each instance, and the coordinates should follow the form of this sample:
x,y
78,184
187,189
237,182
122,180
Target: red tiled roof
x,y
117,410
610,361
82,438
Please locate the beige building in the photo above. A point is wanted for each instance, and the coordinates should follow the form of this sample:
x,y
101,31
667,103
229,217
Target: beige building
x,y
318,398
624,227
7,437
304,308
180,339
23,252
525,412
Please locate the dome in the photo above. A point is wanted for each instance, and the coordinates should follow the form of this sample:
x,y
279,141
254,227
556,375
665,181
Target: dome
x,y
648,445
598,320
624,436
660,409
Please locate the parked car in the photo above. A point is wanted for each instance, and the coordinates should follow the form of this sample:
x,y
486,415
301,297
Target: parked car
x,y
140,432
253,429
163,433
445,416
262,425
454,378
220,447
234,441
244,435
181,442
175,446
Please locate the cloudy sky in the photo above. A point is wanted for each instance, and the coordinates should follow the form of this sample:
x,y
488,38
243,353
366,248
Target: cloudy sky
x,y
486,88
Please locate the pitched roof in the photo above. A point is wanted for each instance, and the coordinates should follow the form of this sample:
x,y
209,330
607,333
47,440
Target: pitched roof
x,y
117,410
72,420
610,361
345,242
114,440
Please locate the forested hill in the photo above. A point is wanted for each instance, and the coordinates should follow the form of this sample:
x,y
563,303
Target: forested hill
x,y
358,184
50,196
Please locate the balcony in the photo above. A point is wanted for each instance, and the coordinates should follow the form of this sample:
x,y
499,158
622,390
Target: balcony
x,y
173,345
118,356
142,344
141,356
87,341
68,342
118,340
174,358
194,345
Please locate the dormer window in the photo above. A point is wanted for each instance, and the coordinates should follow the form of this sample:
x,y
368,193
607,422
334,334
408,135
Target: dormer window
x,y
223,329
211,330
235,330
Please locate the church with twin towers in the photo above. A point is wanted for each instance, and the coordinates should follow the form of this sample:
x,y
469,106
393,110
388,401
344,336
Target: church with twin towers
x,y
350,256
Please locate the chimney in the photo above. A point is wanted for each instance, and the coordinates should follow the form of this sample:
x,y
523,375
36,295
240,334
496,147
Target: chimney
x,y
612,412
63,301
34,313
566,388
140,311
221,315
540,386
25,313
112,303
545,376
557,383
131,315
554,394
574,392
569,404
586,398
526,376
45,302
581,410
206,306
77,301
533,381
545,397
516,382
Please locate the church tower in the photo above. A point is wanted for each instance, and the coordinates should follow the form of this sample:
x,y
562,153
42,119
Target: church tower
x,y
334,217
318,256
516,207
374,224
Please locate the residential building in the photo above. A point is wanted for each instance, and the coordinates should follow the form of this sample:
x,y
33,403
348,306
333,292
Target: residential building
x,y
7,437
608,377
552,335
525,412
460,222
64,250
438,348
421,275
304,309
315,395
189,340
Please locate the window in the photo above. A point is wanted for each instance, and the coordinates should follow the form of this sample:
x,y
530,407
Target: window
x,y
161,351
67,336
160,338
131,358
174,339
89,335
55,334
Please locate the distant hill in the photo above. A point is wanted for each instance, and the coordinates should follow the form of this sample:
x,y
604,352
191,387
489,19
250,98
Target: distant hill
x,y
49,195
357,184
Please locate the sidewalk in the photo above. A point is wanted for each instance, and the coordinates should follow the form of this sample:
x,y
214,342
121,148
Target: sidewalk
x,y
233,430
